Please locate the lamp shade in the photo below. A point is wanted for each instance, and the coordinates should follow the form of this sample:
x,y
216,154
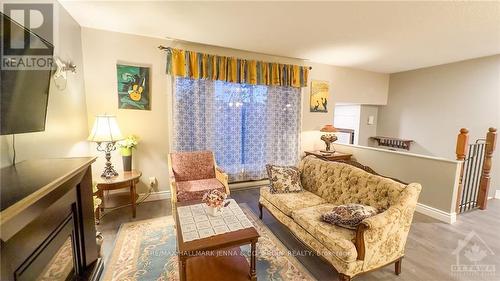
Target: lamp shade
x,y
105,129
328,129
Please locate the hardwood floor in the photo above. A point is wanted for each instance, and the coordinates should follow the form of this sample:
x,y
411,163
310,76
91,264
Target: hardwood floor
x,y
429,249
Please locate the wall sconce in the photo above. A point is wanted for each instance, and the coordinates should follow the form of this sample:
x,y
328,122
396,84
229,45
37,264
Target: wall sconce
x,y
63,67
61,70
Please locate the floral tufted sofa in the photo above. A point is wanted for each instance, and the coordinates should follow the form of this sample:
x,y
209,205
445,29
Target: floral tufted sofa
x,y
378,241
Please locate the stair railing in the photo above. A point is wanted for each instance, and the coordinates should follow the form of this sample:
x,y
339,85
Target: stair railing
x,y
476,169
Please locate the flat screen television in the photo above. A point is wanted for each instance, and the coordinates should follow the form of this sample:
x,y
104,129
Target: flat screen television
x,y
24,93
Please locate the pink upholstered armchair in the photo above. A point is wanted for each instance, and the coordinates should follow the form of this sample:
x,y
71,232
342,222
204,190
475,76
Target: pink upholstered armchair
x,y
192,174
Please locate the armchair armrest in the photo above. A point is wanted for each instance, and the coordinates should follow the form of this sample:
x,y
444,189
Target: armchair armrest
x,y
219,170
381,239
171,178
173,191
222,177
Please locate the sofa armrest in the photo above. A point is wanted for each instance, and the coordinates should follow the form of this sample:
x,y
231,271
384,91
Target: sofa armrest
x,y
381,239
222,177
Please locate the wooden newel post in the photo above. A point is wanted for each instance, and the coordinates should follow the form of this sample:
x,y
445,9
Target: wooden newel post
x,y
484,184
461,151
462,143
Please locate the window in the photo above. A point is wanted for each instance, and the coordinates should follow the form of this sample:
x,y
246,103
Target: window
x,y
247,126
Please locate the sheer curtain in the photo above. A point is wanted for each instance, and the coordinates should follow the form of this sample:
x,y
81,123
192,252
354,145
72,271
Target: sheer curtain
x,y
247,126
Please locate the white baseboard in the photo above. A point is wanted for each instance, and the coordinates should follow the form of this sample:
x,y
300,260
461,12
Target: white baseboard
x,y
436,213
497,194
154,196
162,195
248,185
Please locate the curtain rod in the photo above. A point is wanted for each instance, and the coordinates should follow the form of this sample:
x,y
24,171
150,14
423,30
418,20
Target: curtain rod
x,y
163,48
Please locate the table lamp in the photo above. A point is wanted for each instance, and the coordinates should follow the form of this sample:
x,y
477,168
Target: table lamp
x,y
328,138
106,130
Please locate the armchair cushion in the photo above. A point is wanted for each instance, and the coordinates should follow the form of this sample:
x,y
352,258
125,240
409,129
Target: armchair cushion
x,y
188,166
194,190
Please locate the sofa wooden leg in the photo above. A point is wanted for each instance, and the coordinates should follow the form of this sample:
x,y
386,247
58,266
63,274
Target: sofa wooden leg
x,y
260,210
343,277
397,266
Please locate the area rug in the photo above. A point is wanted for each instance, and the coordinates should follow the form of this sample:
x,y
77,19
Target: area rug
x,y
146,251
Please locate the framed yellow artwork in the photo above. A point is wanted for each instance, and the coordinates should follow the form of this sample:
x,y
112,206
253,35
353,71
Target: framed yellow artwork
x,y
319,96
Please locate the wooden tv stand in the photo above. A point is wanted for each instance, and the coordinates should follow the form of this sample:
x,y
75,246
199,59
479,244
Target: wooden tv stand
x,y
47,219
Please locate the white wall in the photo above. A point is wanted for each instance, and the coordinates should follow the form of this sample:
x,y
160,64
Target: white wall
x,y
355,116
438,176
103,49
367,130
430,105
101,52
346,116
346,86
66,124
358,86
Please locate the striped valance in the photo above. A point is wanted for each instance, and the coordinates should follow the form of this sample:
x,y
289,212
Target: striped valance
x,y
204,66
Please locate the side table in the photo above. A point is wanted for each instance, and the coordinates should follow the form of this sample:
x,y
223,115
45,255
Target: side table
x,y
336,156
123,180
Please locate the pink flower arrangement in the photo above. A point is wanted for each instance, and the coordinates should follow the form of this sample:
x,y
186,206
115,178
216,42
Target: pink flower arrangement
x,y
214,198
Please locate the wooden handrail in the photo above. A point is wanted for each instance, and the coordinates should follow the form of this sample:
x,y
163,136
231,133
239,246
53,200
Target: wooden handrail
x,y
484,184
461,151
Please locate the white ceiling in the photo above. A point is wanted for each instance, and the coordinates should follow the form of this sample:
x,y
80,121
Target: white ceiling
x,y
377,36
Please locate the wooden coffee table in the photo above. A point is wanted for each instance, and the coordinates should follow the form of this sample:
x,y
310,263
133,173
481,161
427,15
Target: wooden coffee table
x,y
216,257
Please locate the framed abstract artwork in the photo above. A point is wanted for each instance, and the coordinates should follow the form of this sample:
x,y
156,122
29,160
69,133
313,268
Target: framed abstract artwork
x,y
319,96
133,87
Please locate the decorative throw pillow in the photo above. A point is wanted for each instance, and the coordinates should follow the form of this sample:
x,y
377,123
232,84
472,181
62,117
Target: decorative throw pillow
x,y
349,215
283,179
